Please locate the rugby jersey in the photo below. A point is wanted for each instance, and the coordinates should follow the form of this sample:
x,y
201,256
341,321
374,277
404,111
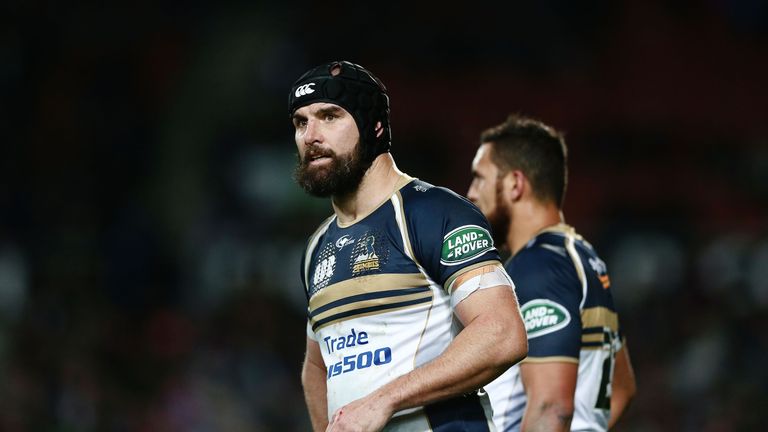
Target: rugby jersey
x,y
381,302
564,292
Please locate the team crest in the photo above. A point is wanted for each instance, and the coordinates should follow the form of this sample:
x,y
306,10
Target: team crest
x,y
367,255
366,258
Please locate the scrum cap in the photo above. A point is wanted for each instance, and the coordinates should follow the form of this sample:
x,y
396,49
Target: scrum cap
x,y
353,88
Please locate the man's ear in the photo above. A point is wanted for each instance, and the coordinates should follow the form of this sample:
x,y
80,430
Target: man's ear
x,y
513,185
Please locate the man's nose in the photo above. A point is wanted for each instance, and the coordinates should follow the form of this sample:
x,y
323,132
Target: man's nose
x,y
312,133
472,192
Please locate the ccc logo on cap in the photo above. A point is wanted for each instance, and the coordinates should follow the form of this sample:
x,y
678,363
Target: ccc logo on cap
x,y
304,89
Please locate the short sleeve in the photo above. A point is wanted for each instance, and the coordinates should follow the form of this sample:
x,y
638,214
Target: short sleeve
x,y
549,293
449,234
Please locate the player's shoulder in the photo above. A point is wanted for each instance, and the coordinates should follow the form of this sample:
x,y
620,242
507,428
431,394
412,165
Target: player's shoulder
x,y
543,248
542,255
560,240
421,196
585,247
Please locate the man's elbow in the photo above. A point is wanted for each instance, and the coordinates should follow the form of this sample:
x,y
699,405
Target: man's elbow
x,y
626,391
559,412
310,371
517,335
512,344
517,349
624,384
631,391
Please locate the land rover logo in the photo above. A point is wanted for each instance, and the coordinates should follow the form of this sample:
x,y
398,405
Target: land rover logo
x,y
465,243
543,316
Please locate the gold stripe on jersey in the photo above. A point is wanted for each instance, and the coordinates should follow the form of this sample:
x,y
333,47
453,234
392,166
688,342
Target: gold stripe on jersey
x,y
403,225
592,337
365,311
551,359
364,285
563,229
368,295
369,303
570,246
402,181
421,336
449,282
599,316
594,347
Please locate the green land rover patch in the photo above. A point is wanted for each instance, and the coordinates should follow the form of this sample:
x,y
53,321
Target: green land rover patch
x,y
465,243
542,316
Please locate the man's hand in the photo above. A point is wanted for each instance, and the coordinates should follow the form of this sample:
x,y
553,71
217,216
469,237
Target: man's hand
x,y
369,414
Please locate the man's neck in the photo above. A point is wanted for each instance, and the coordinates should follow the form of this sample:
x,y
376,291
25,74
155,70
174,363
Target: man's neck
x,y
529,219
377,185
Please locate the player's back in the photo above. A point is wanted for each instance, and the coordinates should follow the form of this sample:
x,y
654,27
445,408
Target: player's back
x,y
569,314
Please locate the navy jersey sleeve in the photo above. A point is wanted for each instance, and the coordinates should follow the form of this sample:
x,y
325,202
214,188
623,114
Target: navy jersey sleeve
x,y
448,233
549,292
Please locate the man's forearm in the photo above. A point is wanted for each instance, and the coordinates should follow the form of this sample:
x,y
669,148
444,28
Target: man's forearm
x,y
619,403
623,386
549,388
547,417
313,381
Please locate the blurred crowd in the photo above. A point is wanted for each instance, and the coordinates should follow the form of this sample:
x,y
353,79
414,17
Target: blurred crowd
x,y
150,231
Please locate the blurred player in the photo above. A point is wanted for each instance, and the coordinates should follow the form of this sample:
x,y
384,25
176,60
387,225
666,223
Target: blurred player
x,y
577,374
410,310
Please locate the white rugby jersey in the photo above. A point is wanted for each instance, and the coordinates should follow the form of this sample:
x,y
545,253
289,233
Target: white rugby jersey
x,y
563,289
380,300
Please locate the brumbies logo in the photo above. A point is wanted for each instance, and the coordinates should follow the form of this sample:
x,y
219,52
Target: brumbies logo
x,y
464,244
364,255
542,316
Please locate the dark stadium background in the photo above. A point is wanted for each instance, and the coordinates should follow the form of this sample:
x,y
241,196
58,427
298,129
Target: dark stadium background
x,y
150,231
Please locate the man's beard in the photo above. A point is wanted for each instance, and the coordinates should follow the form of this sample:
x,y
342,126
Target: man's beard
x,y
499,220
340,177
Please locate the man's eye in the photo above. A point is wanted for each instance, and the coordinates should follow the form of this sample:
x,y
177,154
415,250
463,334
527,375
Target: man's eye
x,y
330,117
